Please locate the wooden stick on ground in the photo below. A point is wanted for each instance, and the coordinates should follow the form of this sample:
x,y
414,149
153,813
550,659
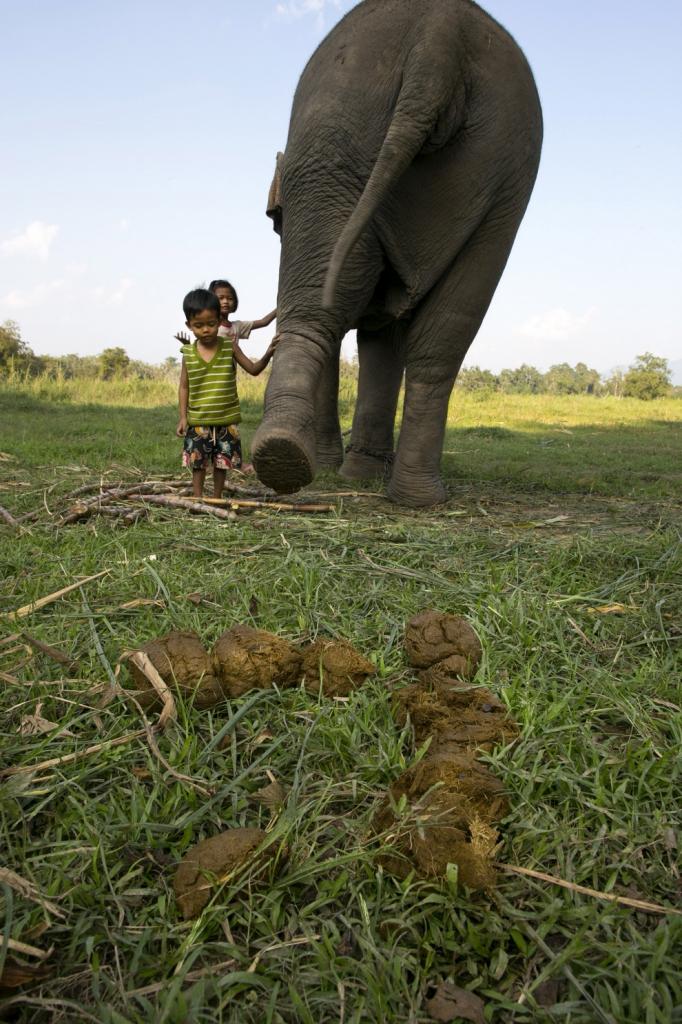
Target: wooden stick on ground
x,y
277,506
9,518
28,517
195,505
626,901
127,514
20,613
83,509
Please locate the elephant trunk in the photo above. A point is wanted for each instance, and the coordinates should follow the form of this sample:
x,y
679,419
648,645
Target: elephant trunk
x,y
283,448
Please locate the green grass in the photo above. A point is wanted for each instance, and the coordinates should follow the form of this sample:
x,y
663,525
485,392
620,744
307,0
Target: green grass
x,y
542,527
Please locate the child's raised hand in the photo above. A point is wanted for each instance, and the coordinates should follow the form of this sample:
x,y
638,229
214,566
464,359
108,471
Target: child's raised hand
x,y
183,338
274,343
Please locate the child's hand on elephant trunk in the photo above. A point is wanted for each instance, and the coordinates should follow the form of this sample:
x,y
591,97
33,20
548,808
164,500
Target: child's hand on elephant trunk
x,y
274,343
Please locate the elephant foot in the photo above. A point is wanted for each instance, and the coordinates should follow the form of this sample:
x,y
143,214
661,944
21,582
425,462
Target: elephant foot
x,y
416,490
360,464
281,460
329,452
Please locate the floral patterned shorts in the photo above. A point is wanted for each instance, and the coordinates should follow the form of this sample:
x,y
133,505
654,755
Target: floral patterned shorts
x,y
220,445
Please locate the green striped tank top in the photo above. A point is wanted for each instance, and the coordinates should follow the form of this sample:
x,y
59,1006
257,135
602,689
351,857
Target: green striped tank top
x,y
213,399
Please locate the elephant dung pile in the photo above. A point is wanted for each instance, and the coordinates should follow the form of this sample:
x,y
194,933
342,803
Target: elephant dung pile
x,y
245,659
440,811
180,658
451,800
211,862
242,659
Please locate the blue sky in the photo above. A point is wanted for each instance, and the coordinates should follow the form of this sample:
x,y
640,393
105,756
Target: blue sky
x,y
138,142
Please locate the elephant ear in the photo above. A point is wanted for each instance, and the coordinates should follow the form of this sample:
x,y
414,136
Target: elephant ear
x,y
274,207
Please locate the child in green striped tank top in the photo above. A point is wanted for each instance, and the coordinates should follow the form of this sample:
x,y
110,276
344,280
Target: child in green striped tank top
x,y
209,404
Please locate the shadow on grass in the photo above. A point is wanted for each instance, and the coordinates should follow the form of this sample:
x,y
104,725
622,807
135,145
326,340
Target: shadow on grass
x,y
618,460
40,434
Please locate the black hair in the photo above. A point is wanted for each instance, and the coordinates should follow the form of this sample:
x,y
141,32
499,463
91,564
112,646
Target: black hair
x,y
197,301
222,283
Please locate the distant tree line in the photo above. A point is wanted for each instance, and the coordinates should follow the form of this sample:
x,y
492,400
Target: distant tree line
x,y
648,377
111,363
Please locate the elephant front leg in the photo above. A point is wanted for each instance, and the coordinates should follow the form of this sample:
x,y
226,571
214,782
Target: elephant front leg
x,y
283,447
381,355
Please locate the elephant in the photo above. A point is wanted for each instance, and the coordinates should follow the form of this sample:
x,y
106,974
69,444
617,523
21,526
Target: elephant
x,y
413,148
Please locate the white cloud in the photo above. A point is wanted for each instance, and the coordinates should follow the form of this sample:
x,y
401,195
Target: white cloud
x,y
34,241
554,325
294,9
115,296
118,295
31,297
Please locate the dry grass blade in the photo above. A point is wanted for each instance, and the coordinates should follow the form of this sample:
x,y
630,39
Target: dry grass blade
x,y
36,725
169,711
51,652
25,949
55,762
154,747
141,602
202,972
151,739
302,940
27,609
626,901
28,890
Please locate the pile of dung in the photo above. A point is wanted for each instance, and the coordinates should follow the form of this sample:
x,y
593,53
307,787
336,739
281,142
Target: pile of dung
x,y
453,801
242,659
251,659
181,660
212,861
432,637
334,667
245,659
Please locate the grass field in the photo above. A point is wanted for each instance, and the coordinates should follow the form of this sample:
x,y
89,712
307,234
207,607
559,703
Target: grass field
x,y
557,508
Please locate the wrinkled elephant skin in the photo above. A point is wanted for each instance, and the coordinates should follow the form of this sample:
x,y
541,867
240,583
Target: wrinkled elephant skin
x,y
413,148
